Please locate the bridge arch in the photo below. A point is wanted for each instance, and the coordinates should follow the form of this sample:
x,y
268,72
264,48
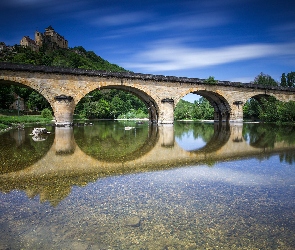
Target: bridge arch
x,y
27,84
150,103
222,108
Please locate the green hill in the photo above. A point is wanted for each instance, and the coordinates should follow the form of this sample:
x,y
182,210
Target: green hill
x,y
76,57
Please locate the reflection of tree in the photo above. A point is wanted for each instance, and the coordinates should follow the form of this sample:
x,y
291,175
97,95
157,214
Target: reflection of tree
x,y
50,188
214,134
288,157
113,143
266,135
21,154
200,130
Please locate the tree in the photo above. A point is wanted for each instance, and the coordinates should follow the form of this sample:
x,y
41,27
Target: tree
x,y
201,109
183,110
206,109
6,97
268,110
266,80
117,106
37,101
284,80
251,109
211,80
291,79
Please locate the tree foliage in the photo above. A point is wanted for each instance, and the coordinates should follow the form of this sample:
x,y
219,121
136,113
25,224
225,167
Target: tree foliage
x,y
110,104
288,80
264,79
269,110
211,80
198,110
76,57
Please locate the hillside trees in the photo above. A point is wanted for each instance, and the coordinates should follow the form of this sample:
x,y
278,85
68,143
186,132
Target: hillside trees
x,y
76,57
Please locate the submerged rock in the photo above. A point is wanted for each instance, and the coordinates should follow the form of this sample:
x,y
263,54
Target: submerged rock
x,y
132,221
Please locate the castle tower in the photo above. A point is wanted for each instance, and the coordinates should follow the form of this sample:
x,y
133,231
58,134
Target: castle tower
x,y
38,38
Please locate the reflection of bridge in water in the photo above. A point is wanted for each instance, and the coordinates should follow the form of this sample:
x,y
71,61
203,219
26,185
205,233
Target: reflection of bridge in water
x,y
65,164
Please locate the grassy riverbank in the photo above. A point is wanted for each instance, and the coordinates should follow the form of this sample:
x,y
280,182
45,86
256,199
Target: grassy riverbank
x,y
7,122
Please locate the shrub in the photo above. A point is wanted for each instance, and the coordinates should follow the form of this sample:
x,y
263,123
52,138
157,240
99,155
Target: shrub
x,y
46,113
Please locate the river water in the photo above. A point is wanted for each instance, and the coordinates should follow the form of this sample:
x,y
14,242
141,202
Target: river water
x,y
127,185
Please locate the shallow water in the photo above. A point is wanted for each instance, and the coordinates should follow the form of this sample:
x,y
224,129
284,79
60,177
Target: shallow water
x,y
104,187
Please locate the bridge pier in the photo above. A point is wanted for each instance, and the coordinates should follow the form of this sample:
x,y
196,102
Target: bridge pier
x,y
63,109
236,114
166,114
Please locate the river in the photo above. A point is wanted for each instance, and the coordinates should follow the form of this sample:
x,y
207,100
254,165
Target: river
x,y
133,185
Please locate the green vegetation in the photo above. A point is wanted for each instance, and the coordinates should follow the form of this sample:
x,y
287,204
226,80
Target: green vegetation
x,y
9,120
198,110
270,110
211,80
111,104
76,57
266,80
288,80
46,113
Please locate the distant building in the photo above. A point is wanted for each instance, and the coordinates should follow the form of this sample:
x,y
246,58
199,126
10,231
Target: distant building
x,y
49,37
18,103
28,42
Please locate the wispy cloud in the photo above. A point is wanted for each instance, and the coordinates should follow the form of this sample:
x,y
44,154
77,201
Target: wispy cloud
x,y
122,19
165,56
139,22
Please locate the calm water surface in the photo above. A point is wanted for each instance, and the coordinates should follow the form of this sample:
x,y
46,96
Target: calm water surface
x,y
122,185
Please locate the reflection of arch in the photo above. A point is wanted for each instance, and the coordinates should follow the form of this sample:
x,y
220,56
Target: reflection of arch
x,y
150,139
220,138
260,142
24,151
221,106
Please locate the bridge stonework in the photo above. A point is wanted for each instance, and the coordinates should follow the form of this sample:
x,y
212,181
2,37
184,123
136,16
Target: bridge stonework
x,y
64,88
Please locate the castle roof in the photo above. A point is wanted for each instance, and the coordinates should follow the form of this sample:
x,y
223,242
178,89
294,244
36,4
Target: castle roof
x,y
49,28
29,40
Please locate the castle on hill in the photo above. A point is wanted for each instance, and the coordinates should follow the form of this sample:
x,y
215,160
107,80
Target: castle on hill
x,y
50,37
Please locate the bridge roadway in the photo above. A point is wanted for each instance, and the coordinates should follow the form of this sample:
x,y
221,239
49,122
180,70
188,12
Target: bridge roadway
x,y
64,88
66,165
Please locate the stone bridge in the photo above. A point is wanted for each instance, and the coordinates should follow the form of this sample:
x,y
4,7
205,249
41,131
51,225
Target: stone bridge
x,y
64,88
66,164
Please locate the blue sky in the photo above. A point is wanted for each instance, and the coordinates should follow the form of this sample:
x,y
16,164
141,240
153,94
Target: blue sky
x,y
231,40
